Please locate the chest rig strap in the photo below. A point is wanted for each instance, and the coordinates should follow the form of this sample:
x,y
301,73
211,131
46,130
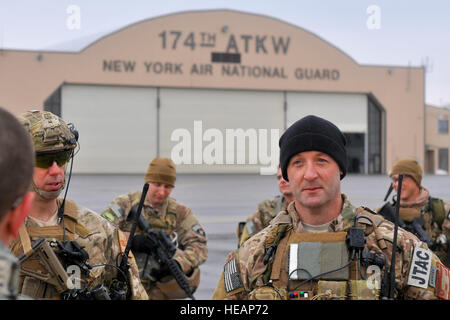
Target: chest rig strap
x,y
167,220
27,234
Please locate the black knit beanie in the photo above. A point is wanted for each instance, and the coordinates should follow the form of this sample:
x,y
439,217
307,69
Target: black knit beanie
x,y
312,133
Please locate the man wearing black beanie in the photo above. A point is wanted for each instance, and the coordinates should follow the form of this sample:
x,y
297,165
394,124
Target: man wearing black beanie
x,y
313,133
314,249
313,149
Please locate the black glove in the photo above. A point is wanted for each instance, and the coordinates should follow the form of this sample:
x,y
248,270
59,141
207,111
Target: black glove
x,y
162,271
142,243
159,246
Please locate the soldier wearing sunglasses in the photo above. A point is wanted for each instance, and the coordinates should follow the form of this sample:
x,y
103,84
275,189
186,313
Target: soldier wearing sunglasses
x,y
64,224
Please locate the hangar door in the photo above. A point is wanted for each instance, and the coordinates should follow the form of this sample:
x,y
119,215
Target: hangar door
x,y
117,127
349,112
215,131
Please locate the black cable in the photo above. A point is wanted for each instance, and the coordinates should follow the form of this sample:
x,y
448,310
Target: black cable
x,y
300,269
61,209
121,271
111,265
359,267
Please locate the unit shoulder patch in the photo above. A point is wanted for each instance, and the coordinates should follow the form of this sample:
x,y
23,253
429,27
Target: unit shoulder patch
x,y
197,228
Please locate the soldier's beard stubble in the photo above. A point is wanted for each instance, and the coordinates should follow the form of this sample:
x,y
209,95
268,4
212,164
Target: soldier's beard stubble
x,y
315,194
48,195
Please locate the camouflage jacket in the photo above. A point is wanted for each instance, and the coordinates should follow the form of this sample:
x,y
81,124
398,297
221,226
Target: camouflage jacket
x,y
245,272
9,274
436,218
174,218
100,239
267,210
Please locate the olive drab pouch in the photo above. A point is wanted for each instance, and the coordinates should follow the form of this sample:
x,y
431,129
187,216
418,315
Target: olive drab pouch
x,y
438,209
318,254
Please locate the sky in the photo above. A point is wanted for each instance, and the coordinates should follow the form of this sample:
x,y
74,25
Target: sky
x,y
388,32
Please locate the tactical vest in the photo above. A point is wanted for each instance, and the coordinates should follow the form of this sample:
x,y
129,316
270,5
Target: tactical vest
x,y
429,218
167,223
301,256
34,287
435,208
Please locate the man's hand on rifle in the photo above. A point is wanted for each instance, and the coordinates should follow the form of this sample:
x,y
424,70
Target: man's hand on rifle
x,y
159,246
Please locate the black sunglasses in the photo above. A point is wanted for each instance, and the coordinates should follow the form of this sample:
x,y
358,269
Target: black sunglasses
x,y
45,160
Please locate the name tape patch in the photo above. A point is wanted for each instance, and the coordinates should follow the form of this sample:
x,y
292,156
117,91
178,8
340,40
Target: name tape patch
x,y
420,270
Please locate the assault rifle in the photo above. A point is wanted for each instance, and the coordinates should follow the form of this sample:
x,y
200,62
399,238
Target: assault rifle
x,y
55,274
159,245
119,289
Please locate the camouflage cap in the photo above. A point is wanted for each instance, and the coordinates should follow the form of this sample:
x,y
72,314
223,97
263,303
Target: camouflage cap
x,y
49,132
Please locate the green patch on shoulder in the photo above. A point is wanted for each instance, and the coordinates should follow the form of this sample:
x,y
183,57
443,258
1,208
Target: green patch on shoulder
x,y
108,216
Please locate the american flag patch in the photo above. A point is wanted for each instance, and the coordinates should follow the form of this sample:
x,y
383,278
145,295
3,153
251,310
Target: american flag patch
x,y
231,276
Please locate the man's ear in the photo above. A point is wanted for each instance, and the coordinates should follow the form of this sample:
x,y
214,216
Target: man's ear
x,y
17,216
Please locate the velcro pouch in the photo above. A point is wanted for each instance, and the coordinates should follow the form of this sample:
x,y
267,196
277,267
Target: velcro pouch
x,y
316,254
363,290
332,290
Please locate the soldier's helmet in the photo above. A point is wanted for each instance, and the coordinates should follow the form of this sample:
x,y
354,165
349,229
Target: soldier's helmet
x,y
49,132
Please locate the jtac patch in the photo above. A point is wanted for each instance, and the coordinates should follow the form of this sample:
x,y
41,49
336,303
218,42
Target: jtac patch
x,y
231,276
419,273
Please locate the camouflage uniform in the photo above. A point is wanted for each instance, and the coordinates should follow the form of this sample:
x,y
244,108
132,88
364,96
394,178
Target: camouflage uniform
x,y
98,237
245,275
54,142
267,210
436,221
9,272
174,218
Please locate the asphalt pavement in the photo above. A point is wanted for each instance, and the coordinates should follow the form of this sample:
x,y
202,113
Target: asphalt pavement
x,y
221,201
